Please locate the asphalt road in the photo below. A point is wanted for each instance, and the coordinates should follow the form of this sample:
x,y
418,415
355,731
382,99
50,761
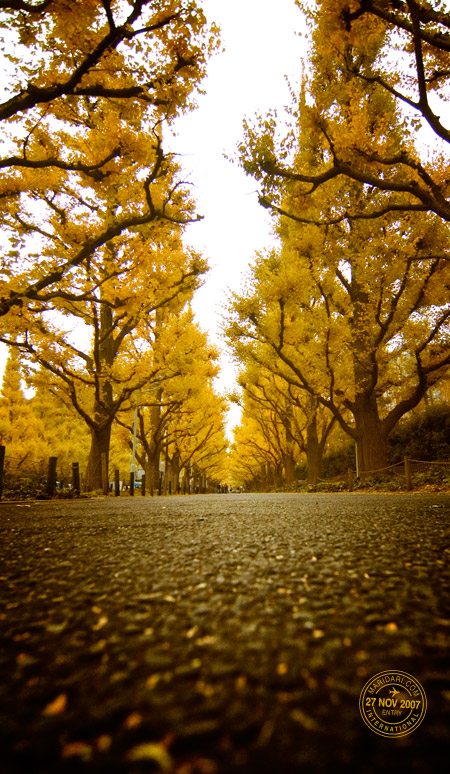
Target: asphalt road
x,y
221,634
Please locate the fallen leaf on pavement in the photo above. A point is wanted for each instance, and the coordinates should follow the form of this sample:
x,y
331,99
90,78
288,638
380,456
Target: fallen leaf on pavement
x,y
102,621
57,706
133,721
305,720
151,751
77,750
391,627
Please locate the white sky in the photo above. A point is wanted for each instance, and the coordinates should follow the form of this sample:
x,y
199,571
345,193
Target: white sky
x,y
262,45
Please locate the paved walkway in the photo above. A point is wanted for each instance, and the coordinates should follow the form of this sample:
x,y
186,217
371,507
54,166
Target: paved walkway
x,y
220,634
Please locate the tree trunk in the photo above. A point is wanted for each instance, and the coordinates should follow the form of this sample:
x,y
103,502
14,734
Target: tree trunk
x,y
370,436
288,456
152,471
289,469
371,439
313,451
277,476
100,441
186,483
175,468
155,445
103,410
264,478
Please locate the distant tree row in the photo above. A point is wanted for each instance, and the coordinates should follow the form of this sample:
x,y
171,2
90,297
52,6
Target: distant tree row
x,y
179,429
347,323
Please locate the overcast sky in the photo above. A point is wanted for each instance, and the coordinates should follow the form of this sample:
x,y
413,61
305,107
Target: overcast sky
x,y
262,44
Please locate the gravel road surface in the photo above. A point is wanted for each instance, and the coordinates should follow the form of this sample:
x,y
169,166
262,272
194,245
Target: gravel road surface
x,y
220,634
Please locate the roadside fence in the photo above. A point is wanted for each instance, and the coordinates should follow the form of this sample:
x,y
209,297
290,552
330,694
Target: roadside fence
x,y
406,468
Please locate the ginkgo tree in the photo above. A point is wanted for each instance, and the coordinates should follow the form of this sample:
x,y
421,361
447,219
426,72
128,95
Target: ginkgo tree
x,y
354,306
356,317
179,421
92,335
197,442
291,419
266,401
255,462
60,431
19,426
86,86
393,53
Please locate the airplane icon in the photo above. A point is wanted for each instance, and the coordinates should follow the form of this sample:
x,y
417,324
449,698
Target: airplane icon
x,y
394,692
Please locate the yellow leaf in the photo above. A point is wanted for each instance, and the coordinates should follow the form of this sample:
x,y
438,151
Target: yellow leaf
x,y
57,706
305,720
77,749
133,721
102,621
151,751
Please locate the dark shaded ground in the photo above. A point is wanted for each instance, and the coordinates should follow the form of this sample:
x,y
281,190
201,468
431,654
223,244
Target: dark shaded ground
x,y
232,633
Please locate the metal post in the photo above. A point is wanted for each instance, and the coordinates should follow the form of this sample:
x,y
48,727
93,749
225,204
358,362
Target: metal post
x,y
116,483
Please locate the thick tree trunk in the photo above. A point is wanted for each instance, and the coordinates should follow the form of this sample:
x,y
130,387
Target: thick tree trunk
x,y
288,457
277,476
371,439
103,411
313,451
100,441
175,472
155,446
152,471
289,469
370,435
264,478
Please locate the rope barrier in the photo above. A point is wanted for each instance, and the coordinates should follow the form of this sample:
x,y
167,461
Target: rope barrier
x,y
431,462
398,467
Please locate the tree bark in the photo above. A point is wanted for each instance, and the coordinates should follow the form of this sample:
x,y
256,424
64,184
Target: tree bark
x,y
288,456
175,471
155,444
276,475
370,435
313,450
289,469
100,441
152,470
103,409
371,438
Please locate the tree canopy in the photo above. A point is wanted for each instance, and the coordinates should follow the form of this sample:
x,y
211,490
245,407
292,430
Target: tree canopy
x,y
86,88
395,54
